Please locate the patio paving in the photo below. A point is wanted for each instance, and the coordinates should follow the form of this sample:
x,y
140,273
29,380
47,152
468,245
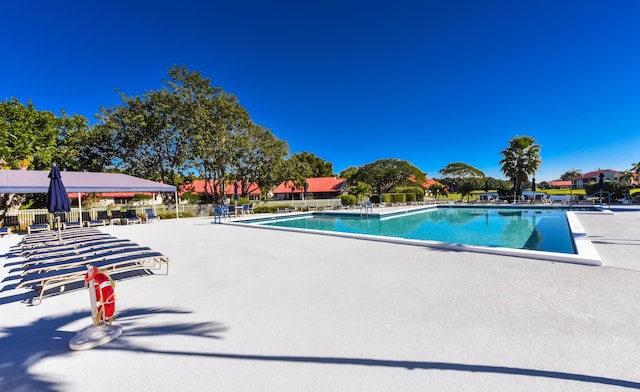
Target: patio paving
x,y
245,309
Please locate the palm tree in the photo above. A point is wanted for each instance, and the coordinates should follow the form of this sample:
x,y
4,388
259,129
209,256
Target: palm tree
x,y
635,167
521,159
626,178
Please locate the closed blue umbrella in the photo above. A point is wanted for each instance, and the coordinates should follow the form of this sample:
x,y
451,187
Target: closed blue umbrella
x,y
601,184
57,197
533,185
235,190
601,181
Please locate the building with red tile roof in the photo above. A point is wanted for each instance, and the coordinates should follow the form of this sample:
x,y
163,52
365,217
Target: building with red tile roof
x,y
609,175
317,188
560,184
427,183
198,187
117,198
594,176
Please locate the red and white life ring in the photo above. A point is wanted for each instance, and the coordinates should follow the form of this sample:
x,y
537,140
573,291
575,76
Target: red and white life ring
x,y
105,295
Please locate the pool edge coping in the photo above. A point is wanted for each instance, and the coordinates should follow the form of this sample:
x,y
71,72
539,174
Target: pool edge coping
x,y
586,251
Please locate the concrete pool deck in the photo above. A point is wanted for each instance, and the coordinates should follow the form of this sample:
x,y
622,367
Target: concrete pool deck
x,y
260,310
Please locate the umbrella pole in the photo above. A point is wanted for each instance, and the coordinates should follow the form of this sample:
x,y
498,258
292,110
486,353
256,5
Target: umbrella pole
x,y
59,229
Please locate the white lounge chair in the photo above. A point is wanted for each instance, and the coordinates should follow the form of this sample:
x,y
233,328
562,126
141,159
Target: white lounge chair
x,y
56,263
61,277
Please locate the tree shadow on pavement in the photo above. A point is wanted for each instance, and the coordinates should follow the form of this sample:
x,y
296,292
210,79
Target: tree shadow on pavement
x,y
23,347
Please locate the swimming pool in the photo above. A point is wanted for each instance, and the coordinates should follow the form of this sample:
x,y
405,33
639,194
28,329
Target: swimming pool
x,y
523,228
575,245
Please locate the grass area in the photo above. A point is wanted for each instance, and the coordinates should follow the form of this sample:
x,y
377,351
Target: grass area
x,y
578,192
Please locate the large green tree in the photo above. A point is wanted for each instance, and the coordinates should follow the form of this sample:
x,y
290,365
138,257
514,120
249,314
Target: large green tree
x,y
569,175
308,165
348,172
464,176
27,136
220,128
303,165
186,124
144,136
27,141
259,159
460,170
384,174
80,147
521,159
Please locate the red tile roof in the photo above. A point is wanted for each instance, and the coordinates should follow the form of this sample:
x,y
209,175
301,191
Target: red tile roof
x,y
427,182
560,183
314,185
594,174
111,195
197,186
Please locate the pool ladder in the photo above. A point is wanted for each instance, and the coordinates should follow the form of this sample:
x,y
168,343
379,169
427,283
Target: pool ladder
x,y
365,208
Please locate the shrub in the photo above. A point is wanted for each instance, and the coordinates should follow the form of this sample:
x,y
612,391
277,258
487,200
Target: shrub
x,y
394,197
415,190
243,200
269,209
348,200
191,198
172,215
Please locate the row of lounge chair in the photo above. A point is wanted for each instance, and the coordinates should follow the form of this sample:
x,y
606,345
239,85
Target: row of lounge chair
x,y
46,222
52,262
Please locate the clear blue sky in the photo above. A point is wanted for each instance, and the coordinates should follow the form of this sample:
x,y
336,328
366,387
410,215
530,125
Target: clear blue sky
x,y
432,82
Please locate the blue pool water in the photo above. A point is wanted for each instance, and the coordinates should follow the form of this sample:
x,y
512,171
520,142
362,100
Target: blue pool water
x,y
535,229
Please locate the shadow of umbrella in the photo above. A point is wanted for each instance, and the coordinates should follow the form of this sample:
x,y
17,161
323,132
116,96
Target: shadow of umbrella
x,y
57,197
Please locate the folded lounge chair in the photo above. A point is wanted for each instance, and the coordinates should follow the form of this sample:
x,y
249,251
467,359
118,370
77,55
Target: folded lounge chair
x,y
104,216
59,278
89,222
150,216
40,223
69,224
5,231
116,217
130,217
11,221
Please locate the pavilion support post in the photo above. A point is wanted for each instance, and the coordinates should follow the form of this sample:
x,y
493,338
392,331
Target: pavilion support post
x,y
80,209
177,212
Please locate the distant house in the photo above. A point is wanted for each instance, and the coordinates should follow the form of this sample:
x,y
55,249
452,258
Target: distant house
x,y
594,176
317,188
560,184
104,199
198,187
426,184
